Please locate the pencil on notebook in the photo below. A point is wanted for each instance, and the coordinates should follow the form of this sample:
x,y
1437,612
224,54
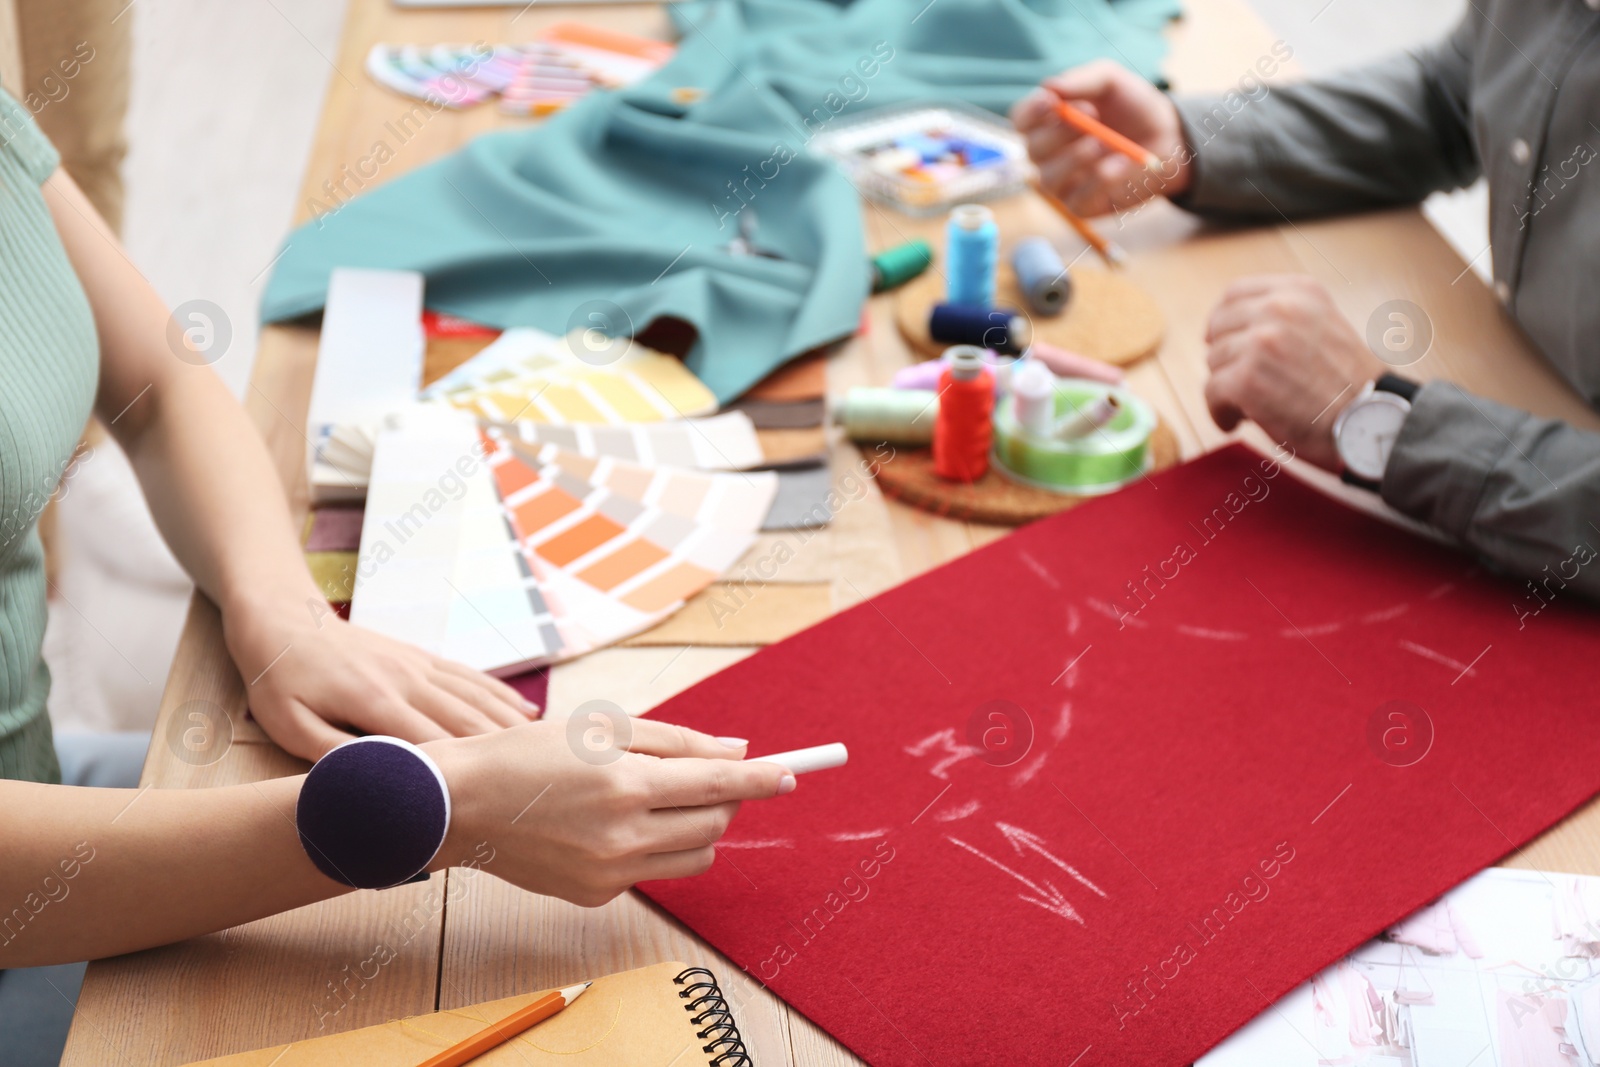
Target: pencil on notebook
x,y
1107,136
1109,251
496,1034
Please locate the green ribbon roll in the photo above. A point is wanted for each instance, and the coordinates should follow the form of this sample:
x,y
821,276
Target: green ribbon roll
x,y
1101,461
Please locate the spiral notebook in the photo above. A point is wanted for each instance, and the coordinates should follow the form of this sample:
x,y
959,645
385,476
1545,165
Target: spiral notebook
x,y
670,1013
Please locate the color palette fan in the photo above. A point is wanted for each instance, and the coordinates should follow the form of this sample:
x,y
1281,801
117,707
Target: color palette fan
x,y
567,61
529,375
505,554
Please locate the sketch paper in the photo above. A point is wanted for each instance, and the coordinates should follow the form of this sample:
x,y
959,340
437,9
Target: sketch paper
x,y
1501,971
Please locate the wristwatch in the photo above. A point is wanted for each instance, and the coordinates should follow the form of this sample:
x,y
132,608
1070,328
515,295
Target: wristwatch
x,y
1365,431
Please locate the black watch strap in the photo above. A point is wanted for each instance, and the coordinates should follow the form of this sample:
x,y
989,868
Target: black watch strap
x,y
1359,482
1404,388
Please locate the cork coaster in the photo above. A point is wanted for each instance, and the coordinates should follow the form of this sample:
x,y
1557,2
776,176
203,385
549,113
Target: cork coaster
x,y
908,477
1108,318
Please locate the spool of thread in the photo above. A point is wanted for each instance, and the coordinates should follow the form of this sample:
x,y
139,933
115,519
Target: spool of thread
x,y
1066,364
898,416
1001,329
1041,275
972,249
1090,417
926,375
1033,392
900,264
964,430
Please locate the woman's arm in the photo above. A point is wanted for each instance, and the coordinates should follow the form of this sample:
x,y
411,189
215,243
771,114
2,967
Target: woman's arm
x,y
97,872
86,873
218,503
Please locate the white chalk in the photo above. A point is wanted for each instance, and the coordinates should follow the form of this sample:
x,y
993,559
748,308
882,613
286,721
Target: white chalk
x,y
802,760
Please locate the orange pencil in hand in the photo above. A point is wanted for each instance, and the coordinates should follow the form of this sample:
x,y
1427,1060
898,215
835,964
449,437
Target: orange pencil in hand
x,y
1109,251
499,1033
1107,136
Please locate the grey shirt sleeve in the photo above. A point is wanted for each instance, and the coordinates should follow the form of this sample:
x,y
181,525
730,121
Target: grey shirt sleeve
x,y
1388,133
1521,490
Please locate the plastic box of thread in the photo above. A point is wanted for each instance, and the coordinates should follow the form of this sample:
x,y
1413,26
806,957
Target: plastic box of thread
x,y
923,158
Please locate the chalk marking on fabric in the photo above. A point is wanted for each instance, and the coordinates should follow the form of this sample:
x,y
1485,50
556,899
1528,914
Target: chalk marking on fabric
x,y
961,811
1049,897
858,835
1209,634
1437,657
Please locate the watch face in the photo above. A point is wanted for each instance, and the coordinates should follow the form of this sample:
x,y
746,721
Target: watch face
x,y
1367,431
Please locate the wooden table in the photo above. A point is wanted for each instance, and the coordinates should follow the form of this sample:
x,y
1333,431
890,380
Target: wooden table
x,y
461,938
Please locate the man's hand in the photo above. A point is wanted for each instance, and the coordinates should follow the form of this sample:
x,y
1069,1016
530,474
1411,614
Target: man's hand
x,y
1282,355
1088,177
310,677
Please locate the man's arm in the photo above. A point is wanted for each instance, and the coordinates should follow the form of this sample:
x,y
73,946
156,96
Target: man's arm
x,y
1522,491
1387,133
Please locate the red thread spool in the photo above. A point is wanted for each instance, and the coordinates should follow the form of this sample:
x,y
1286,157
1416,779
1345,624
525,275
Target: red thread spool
x,y
964,430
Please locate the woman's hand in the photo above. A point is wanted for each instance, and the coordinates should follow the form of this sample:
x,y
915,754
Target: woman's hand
x,y
569,819
310,676
1085,175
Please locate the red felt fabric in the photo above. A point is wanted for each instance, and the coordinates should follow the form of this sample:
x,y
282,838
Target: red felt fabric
x,y
1211,756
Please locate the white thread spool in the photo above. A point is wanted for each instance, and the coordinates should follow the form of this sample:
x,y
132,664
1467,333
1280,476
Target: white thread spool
x,y
1088,418
1033,391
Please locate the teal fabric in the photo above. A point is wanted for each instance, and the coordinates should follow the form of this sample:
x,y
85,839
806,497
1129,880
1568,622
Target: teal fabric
x,y
632,198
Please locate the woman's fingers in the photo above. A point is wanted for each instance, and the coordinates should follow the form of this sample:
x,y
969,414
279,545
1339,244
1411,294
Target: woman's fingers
x,y
393,716
301,731
698,783
672,829
652,737
481,699
493,686
685,864
457,716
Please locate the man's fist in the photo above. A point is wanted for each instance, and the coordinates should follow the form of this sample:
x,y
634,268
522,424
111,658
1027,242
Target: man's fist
x,y
1282,355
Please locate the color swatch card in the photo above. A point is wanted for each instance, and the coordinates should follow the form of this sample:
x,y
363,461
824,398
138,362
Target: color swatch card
x,y
722,442
531,376
1502,970
1123,778
506,556
643,556
728,501
369,363
437,567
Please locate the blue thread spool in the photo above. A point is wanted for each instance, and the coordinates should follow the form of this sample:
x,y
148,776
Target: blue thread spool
x,y
1041,276
1001,329
973,249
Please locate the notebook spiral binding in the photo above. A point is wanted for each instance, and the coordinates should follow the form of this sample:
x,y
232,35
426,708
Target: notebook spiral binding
x,y
713,1019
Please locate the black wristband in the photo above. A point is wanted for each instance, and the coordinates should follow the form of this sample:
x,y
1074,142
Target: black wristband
x,y
373,813
1404,388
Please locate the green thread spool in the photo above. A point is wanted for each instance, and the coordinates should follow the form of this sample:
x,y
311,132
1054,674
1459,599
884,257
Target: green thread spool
x,y
1103,460
900,264
899,416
